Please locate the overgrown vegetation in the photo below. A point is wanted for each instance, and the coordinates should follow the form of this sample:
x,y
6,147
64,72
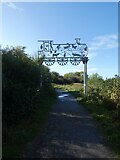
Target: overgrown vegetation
x,y
15,138
25,104
103,103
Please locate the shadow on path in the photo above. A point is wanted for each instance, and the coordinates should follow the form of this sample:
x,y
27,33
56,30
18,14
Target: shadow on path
x,y
69,133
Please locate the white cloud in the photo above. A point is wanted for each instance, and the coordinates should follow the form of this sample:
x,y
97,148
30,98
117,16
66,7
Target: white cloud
x,y
102,43
14,6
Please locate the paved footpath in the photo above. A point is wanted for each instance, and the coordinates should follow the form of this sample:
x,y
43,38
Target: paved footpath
x,y
70,132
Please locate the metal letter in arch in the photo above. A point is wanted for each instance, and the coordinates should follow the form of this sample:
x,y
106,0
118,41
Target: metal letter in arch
x,y
64,53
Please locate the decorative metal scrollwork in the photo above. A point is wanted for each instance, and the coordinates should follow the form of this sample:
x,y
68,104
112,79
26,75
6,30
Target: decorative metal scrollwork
x,y
49,61
75,52
62,60
75,60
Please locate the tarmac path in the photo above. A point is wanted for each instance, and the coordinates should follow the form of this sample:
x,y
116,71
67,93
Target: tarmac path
x,y
70,132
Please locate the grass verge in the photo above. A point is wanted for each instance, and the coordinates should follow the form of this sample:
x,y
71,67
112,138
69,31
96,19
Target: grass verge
x,y
16,137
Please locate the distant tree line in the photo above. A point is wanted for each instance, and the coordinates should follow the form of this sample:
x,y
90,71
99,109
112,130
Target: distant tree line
x,y
68,78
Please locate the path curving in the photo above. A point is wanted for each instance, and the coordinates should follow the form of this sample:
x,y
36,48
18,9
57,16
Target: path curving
x,y
70,132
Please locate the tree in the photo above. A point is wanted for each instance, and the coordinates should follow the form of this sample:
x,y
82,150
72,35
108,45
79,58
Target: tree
x,y
55,77
76,77
21,78
95,80
79,76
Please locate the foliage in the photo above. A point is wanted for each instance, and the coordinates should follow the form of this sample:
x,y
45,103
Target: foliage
x,y
76,77
104,91
95,80
56,78
21,79
25,104
68,78
16,137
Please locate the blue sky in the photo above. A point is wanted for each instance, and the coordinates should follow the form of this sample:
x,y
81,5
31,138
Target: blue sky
x,y
23,23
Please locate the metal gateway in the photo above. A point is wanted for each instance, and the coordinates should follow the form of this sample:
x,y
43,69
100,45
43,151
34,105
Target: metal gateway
x,y
63,53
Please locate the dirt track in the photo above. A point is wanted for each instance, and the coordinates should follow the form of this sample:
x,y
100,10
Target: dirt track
x,y
70,133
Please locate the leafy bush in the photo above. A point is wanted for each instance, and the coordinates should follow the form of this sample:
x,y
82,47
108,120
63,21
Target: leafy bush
x,y
21,79
104,91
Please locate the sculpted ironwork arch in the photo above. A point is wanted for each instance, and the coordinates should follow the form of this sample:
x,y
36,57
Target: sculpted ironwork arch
x,y
63,53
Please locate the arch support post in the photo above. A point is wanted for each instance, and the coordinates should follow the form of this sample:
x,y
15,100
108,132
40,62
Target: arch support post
x,y
85,79
85,76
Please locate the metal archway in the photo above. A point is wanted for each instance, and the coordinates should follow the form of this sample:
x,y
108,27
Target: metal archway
x,y
63,53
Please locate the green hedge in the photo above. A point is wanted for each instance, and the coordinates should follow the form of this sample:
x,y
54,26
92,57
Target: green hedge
x,y
21,80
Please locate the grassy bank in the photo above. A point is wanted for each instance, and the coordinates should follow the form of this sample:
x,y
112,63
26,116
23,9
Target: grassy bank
x,y
16,137
107,117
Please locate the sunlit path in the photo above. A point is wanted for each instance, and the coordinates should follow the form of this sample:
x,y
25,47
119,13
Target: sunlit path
x,y
69,133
